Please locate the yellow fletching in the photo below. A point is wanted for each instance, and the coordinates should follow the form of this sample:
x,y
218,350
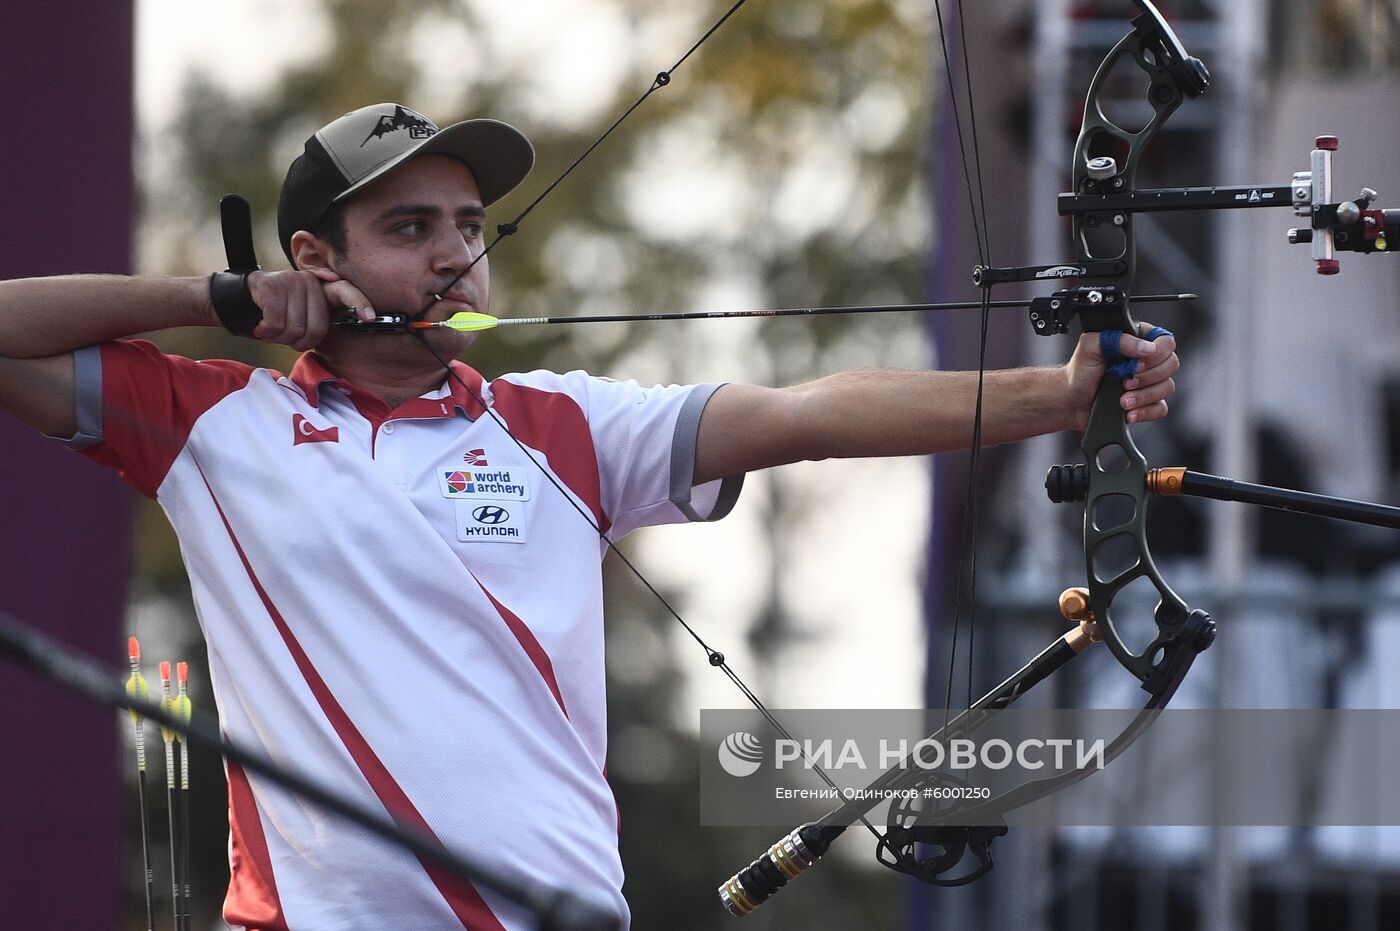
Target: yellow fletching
x,y
468,321
182,711
167,704
137,688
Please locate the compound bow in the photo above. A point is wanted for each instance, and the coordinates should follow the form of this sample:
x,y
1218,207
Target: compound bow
x,y
1114,480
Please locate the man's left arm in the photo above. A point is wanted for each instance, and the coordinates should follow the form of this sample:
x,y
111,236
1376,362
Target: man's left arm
x,y
896,413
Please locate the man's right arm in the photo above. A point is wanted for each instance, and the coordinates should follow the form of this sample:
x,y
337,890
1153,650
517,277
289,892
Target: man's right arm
x,y
42,320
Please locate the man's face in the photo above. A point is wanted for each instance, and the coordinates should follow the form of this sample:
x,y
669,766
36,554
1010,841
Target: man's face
x,y
409,234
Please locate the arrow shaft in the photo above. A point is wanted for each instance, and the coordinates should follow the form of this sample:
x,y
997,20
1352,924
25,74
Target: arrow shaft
x,y
811,311
781,312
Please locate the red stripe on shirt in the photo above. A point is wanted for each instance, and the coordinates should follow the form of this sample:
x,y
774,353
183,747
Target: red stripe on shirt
x,y
461,896
252,900
554,424
532,647
150,402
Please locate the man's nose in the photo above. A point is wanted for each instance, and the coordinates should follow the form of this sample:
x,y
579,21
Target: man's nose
x,y
452,251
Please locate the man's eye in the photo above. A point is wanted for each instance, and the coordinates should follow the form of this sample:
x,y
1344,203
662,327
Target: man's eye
x,y
411,228
471,230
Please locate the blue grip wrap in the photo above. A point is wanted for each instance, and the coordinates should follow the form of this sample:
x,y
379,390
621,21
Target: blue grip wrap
x,y
1108,345
1123,370
1120,367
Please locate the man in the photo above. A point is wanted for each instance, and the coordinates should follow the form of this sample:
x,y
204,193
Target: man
x,y
399,594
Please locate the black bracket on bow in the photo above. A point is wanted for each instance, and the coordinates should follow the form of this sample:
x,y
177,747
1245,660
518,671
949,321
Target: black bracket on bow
x,y
1091,306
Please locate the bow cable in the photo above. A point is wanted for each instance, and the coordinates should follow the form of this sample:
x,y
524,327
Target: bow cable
x,y
716,658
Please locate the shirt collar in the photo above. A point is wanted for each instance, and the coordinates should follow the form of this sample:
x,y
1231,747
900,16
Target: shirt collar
x,y
309,374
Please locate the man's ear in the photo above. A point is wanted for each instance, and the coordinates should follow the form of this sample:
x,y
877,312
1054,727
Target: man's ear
x,y
309,251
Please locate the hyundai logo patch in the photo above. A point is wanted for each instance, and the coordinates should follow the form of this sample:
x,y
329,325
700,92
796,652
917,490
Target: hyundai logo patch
x,y
490,514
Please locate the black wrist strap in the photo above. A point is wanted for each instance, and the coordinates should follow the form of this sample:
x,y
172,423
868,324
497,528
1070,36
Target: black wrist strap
x,y
228,290
233,302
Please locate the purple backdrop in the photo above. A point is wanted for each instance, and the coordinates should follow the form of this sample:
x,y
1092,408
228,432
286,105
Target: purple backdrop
x,y
66,195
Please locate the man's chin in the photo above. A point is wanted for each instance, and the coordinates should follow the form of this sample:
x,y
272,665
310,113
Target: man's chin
x,y
447,341
442,310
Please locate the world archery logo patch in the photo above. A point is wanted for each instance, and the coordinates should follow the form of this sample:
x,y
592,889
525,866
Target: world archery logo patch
x,y
504,484
475,457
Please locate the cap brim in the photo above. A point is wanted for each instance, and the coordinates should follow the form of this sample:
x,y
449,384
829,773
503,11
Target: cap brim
x,y
498,154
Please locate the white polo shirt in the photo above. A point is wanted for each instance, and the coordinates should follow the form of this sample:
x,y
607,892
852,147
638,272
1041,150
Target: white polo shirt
x,y
400,604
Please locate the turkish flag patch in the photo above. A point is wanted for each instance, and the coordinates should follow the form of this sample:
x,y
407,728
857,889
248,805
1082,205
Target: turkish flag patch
x,y
304,432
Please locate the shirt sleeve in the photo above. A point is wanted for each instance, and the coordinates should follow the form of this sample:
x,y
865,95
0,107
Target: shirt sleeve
x,y
645,439
87,399
135,406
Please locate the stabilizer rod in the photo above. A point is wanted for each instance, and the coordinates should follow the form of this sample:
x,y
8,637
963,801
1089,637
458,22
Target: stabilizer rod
x,y
1203,485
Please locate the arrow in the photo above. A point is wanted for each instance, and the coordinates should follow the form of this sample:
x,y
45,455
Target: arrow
x,y
138,690
183,711
468,321
167,704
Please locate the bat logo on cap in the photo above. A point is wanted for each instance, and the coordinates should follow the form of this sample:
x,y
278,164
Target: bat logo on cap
x,y
417,126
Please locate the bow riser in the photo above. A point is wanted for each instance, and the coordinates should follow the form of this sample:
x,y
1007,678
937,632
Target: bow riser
x,y
1106,159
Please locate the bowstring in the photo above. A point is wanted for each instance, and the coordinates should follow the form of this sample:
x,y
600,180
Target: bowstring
x,y
716,658
967,558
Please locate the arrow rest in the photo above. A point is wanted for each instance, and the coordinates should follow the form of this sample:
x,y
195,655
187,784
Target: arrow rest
x,y
1093,306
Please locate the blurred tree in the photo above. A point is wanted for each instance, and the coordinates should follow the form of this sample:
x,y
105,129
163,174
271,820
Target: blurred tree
x,y
781,167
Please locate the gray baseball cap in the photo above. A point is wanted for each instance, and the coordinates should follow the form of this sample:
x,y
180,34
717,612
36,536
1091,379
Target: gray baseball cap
x,y
351,152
